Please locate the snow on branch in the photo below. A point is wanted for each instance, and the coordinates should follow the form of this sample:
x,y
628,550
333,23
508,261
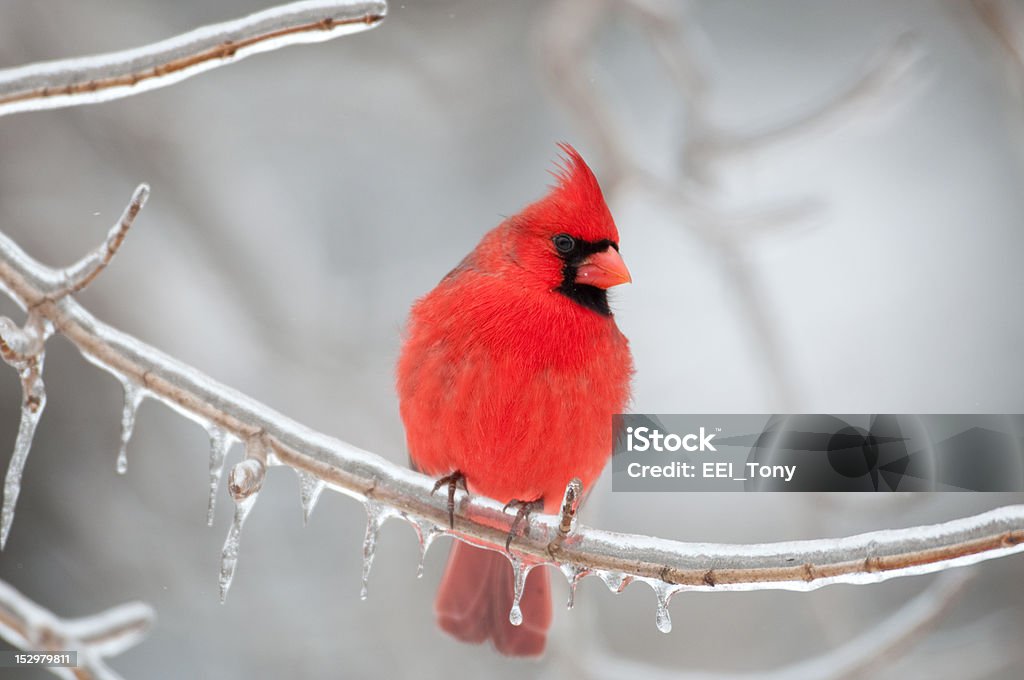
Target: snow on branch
x,y
100,78
29,627
390,491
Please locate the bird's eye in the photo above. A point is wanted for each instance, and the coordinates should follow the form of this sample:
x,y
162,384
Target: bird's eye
x,y
564,243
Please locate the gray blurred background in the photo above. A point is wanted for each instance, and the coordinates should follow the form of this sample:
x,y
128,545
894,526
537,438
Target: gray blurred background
x,y
303,199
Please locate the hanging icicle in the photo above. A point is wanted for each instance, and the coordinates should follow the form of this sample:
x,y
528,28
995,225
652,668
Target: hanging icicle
x,y
244,484
220,442
23,349
133,396
310,488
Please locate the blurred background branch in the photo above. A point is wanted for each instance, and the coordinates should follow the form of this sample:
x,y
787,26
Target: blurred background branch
x,y
1003,22
29,627
880,643
569,38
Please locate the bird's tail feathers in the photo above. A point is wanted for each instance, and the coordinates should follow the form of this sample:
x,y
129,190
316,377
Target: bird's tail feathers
x,y
475,598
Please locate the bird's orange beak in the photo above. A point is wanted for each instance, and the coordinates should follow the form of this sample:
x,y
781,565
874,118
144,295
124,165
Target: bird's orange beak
x,y
604,270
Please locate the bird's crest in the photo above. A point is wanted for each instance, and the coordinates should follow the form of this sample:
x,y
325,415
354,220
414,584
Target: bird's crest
x,y
574,178
576,200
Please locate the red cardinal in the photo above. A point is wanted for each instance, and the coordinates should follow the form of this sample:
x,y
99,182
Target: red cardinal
x,y
511,370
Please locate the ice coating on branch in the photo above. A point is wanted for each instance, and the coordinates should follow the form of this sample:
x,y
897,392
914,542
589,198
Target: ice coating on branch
x,y
133,396
573,575
519,573
88,80
376,515
664,593
23,348
82,273
571,500
426,532
229,555
19,345
246,478
244,484
220,442
31,411
12,482
747,567
662,618
615,580
310,488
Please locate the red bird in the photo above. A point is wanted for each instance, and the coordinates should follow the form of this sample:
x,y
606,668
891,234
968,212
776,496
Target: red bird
x,y
511,370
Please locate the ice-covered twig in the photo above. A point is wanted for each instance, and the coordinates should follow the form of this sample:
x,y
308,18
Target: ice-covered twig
x,y
24,349
852,659
88,80
27,626
399,492
570,506
82,273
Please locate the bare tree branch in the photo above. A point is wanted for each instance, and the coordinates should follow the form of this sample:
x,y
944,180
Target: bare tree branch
x,y
88,80
388,490
1002,21
891,636
1002,31
986,647
568,35
29,627
885,73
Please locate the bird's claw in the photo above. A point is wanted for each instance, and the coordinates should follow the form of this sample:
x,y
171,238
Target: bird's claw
x,y
453,480
523,510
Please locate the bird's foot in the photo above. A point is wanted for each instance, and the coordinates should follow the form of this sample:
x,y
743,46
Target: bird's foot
x,y
523,510
453,481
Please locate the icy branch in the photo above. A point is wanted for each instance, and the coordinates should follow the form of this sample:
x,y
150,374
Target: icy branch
x,y
23,349
89,80
82,273
388,490
27,626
